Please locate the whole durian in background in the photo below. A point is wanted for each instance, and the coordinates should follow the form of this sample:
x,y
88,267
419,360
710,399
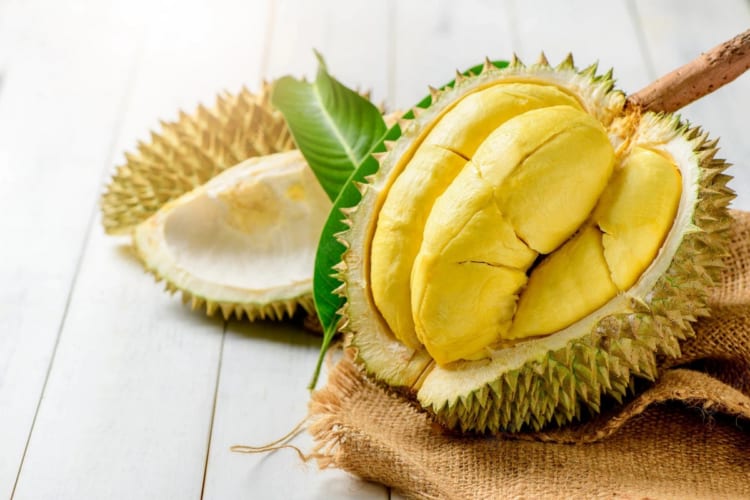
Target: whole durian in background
x,y
529,246
223,209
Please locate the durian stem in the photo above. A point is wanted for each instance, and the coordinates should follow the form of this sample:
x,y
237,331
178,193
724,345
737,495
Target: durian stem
x,y
701,76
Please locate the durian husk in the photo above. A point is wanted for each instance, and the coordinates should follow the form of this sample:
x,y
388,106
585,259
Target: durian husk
x,y
558,378
186,153
277,215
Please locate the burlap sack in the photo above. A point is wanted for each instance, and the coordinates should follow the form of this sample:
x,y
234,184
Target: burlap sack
x,y
687,436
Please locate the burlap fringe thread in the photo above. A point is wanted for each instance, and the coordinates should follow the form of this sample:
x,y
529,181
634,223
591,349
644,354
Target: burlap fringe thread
x,y
687,436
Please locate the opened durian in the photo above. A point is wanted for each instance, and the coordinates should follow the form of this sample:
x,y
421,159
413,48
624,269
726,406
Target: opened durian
x,y
243,243
529,246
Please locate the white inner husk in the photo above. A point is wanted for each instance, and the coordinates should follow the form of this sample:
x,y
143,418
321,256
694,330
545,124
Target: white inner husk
x,y
252,229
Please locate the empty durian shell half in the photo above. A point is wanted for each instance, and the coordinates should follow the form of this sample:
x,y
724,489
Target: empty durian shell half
x,y
188,152
244,243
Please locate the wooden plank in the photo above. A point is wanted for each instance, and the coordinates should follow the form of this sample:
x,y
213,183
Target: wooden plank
x,y
58,117
592,31
678,31
262,396
128,406
266,367
431,40
356,52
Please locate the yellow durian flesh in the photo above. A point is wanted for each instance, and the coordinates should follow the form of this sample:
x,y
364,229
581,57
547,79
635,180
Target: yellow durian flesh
x,y
520,177
636,212
463,293
245,241
398,236
548,167
442,153
569,284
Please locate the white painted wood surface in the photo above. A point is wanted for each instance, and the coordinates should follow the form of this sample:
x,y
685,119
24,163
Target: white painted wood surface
x,y
110,388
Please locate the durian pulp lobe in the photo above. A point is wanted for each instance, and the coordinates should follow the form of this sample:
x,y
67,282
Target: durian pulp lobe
x,y
636,212
566,286
430,170
464,293
253,227
396,239
471,264
548,167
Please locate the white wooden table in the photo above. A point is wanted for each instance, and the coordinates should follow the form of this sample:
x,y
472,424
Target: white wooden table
x,y
110,388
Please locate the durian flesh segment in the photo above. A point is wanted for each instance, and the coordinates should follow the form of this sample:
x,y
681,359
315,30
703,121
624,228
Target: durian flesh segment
x,y
549,167
467,125
469,233
636,212
399,231
464,293
401,220
569,284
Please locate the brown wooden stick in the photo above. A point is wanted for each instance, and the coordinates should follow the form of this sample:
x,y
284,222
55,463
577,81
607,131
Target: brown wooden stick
x,y
701,76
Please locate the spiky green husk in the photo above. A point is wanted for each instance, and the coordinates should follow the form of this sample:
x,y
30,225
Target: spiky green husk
x,y
548,384
190,151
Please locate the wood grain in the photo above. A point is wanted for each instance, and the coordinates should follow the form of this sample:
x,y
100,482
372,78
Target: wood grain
x,y
266,368
58,120
137,396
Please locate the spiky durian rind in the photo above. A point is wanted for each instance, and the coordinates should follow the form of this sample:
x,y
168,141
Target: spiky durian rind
x,y
555,385
188,152
276,310
277,301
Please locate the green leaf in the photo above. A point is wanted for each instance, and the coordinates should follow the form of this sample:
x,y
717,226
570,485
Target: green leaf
x,y
333,126
327,302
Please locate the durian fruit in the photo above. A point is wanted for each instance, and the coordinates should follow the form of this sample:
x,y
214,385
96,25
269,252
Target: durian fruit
x,y
190,151
531,246
243,243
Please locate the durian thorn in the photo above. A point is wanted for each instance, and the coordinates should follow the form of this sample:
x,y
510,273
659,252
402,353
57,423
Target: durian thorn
x,y
226,310
361,187
417,111
590,71
543,62
567,62
195,302
379,156
434,92
460,77
515,62
403,123
487,66
340,290
389,145
348,211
